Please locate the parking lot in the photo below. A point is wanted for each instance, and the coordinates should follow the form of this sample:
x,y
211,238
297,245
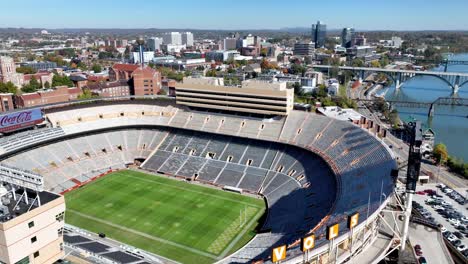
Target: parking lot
x,y
456,211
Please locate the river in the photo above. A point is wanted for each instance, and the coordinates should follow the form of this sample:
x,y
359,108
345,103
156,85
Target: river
x,y
449,123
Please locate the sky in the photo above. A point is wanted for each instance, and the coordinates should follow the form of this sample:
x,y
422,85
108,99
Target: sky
x,y
236,14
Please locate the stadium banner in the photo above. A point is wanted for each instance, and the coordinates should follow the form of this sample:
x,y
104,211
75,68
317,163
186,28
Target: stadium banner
x,y
21,119
332,231
279,253
307,243
353,220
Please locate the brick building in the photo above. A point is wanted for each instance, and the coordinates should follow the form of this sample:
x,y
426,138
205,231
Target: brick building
x,y
57,95
42,77
110,89
146,81
7,102
122,71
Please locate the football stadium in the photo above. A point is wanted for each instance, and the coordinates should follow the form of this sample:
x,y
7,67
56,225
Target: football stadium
x,y
193,185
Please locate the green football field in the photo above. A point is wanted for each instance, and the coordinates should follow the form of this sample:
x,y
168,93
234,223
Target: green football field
x,y
181,221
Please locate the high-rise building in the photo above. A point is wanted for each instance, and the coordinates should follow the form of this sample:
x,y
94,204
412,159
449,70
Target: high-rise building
x,y
319,33
187,39
174,38
230,44
346,37
396,42
359,40
154,44
304,49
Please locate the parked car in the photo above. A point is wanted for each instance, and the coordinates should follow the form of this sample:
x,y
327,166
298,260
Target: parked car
x,y
457,242
443,229
452,238
421,193
422,260
430,191
454,221
444,203
441,185
447,190
461,248
458,234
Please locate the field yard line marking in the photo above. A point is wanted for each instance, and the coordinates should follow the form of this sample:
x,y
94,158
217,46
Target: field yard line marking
x,y
190,190
240,234
193,250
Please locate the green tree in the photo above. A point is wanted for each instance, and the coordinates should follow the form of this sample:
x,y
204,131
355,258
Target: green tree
x,y
297,69
8,87
58,80
87,94
26,70
47,85
96,68
297,88
440,153
357,62
32,86
211,73
375,64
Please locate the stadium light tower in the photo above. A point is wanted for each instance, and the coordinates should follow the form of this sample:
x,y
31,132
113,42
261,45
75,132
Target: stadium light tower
x,y
141,41
412,175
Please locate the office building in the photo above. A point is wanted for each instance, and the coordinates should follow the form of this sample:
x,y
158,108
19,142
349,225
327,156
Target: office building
x,y
174,38
41,65
154,44
147,56
396,42
187,39
319,34
221,55
230,44
304,49
359,40
173,48
254,96
347,36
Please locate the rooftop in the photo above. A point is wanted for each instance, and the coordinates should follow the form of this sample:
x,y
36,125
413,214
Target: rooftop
x,y
9,211
345,114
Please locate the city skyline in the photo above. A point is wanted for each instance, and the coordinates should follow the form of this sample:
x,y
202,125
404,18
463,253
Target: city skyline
x,y
231,15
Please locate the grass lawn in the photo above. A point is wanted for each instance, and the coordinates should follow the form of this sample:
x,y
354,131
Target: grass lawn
x,y
178,220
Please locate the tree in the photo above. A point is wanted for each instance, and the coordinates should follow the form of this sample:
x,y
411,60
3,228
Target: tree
x,y
211,73
8,87
357,62
297,88
47,85
96,68
87,94
375,64
440,153
297,69
32,86
58,80
26,70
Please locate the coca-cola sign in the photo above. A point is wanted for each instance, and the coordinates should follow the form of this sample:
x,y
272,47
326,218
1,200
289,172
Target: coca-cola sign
x,y
12,121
